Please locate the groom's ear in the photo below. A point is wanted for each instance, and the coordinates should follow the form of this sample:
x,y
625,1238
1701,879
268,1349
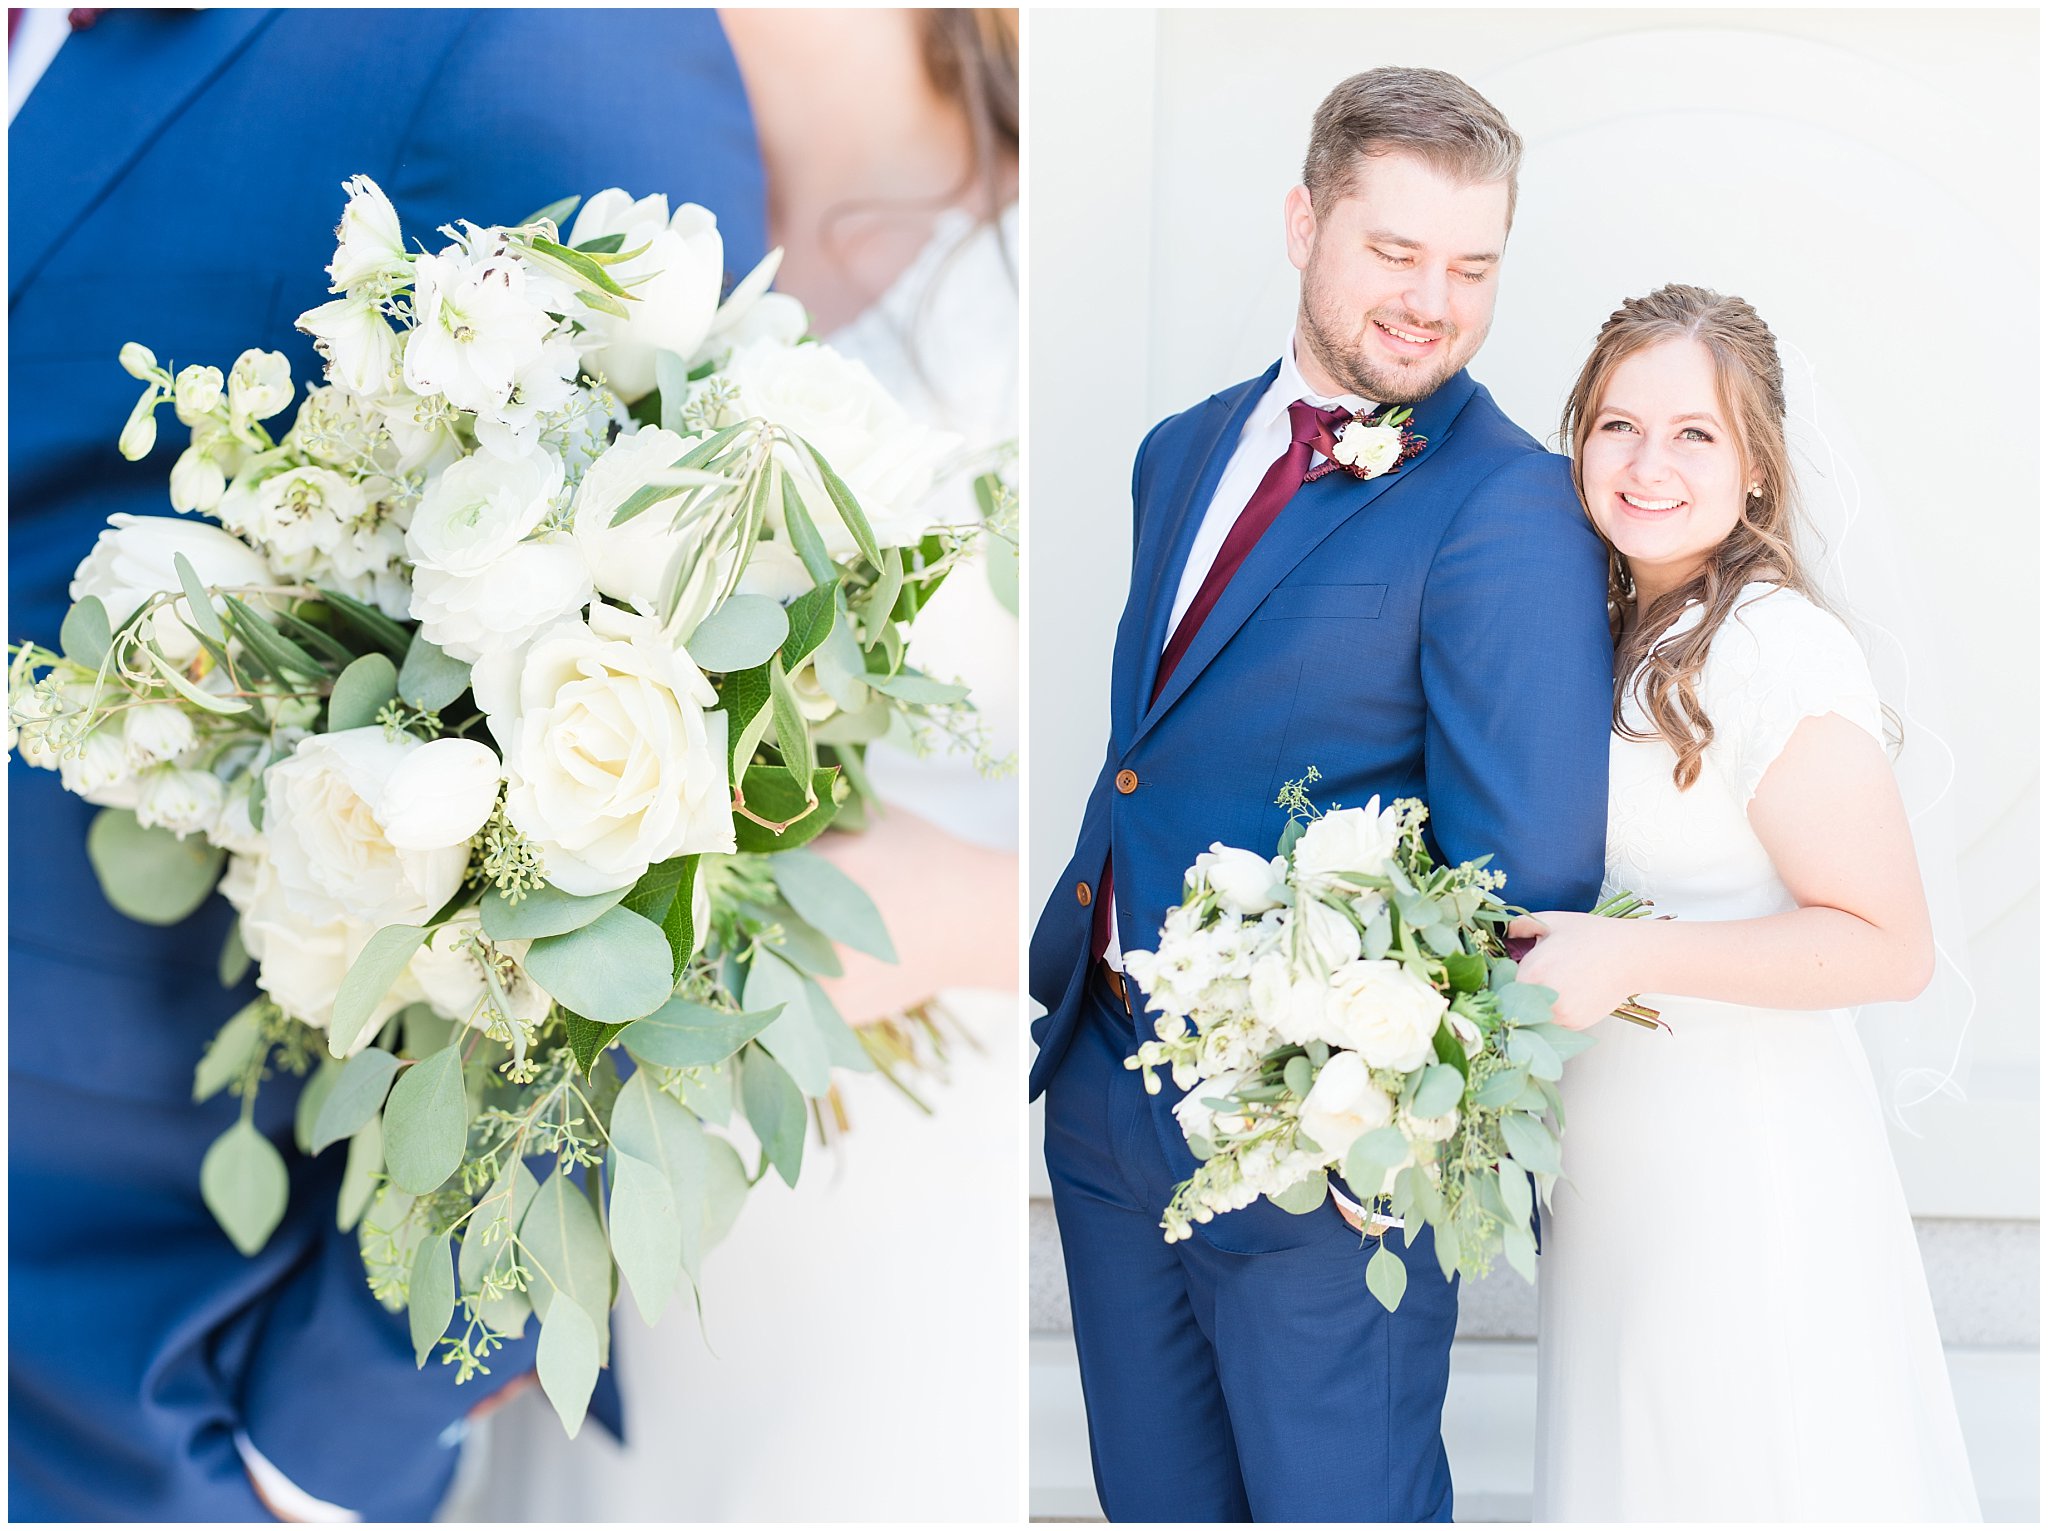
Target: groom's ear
x,y
1299,215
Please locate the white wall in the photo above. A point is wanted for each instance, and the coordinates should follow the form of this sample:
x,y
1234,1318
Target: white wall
x,y
1868,179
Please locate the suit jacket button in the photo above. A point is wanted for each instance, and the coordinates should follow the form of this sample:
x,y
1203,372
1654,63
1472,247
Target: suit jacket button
x,y
1127,782
1083,895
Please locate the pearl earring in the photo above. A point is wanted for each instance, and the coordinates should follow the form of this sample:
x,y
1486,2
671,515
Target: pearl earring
x,y
1756,491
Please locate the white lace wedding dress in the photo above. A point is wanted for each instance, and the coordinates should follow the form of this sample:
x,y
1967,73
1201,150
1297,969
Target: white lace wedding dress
x,y
1734,1320
860,1357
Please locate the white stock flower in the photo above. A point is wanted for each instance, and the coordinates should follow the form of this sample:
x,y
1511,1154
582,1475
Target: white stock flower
x,y
1373,448
134,561
368,245
324,822
1343,1105
295,514
1383,1012
156,733
1198,1118
542,387
352,337
197,480
259,385
888,459
1292,1007
184,802
440,794
1244,882
612,762
232,828
450,971
1346,840
98,769
674,285
197,392
470,616
475,325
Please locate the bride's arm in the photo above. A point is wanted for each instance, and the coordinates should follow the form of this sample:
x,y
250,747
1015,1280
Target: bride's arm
x,y
1829,814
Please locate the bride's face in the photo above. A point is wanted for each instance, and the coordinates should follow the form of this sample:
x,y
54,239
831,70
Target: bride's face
x,y
1662,469
1398,277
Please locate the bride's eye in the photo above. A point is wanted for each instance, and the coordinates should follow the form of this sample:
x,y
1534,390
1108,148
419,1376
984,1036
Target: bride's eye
x,y
1694,433
1616,425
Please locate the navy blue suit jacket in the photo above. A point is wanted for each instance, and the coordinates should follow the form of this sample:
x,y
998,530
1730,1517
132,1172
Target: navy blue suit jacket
x,y
175,180
1439,632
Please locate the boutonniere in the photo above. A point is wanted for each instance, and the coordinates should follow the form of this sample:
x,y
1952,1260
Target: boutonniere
x,y
1373,443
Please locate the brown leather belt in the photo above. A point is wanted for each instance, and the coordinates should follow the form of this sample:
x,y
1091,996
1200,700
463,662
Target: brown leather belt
x,y
1117,984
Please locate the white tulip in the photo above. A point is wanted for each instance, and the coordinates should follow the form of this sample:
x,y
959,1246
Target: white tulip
x,y
440,794
1343,1105
1244,882
133,562
674,285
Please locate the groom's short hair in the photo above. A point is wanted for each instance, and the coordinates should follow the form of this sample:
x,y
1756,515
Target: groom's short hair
x,y
1435,116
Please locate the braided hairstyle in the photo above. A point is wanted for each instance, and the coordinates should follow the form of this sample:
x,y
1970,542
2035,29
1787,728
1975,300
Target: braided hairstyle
x,y
1751,383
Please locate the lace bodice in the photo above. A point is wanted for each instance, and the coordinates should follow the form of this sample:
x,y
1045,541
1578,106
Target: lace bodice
x,y
1776,660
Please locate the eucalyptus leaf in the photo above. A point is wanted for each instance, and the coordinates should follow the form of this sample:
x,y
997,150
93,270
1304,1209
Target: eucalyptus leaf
x,y
1525,1004
229,1052
1564,1041
747,630
775,1110
1440,1090
430,1297
1530,1142
832,901
910,686
567,1359
544,911
150,874
725,1190
487,1247
431,679
708,1092
1534,1053
1515,1192
87,635
1298,1075
842,1042
1501,1089
426,1121
1372,1155
233,966
358,1094
1386,1277
1304,1196
243,1182
617,968
685,1034
646,1234
793,1036
368,980
359,1174
565,1249
361,692
1520,1249
307,1110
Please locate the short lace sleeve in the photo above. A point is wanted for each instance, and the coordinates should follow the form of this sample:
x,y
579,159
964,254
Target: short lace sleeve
x,y
1777,660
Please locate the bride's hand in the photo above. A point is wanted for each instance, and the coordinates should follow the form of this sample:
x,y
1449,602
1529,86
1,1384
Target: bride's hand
x,y
1584,958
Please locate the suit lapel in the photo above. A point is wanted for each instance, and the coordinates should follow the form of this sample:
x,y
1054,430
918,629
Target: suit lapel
x,y
104,99
1193,491
1310,517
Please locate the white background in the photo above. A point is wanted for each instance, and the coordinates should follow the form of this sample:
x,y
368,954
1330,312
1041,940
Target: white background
x,y
1867,179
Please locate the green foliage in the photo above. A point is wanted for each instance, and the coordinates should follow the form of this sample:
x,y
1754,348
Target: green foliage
x,y
356,1095
361,692
87,637
243,1182
775,1110
745,631
228,1055
544,911
1386,1277
832,901
430,1300
568,1359
431,679
685,1034
779,816
1304,1196
617,968
426,1121
150,874
368,981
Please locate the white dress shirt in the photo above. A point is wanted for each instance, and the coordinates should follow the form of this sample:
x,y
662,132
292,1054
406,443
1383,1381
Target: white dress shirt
x,y
37,38
1267,435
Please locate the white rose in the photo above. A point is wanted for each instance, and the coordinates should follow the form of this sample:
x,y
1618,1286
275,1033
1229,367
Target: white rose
x,y
369,247
887,459
440,794
324,818
1343,1105
154,734
530,588
449,969
476,326
184,802
1244,883
259,385
1375,448
1382,1011
1292,1007
134,561
300,963
674,285
1348,840
479,510
353,338
634,561
1328,940
612,762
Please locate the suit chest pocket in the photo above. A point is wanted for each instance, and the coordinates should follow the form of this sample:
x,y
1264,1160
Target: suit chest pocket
x,y
1343,602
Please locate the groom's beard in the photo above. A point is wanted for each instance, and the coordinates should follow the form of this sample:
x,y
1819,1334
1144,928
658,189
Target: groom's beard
x,y
1346,358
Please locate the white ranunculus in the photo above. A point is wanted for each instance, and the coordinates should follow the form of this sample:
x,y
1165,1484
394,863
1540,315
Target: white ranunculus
x,y
1382,1011
1343,1105
440,794
533,586
369,249
1328,940
1244,882
1347,840
612,762
184,802
300,963
888,459
634,561
134,561
476,326
259,385
359,347
197,392
479,509
449,969
1373,448
324,816
674,285
157,733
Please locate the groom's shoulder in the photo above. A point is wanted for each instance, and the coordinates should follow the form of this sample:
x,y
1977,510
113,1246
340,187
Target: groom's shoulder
x,y
1504,471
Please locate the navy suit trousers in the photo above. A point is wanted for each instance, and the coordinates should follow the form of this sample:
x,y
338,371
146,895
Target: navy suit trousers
x,y
1230,1387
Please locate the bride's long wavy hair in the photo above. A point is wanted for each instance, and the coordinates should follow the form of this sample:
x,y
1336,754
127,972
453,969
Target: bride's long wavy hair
x,y
1751,383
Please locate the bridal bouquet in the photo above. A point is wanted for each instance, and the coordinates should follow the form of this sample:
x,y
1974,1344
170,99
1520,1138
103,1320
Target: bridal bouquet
x,y
499,694
1349,1005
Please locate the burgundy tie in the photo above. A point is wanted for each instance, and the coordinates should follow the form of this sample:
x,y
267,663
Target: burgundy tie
x,y
1313,430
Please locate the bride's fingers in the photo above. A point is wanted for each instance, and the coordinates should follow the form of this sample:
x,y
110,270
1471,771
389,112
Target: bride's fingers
x,y
1527,927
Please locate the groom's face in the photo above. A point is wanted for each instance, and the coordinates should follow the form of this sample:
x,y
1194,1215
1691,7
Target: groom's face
x,y
1398,276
